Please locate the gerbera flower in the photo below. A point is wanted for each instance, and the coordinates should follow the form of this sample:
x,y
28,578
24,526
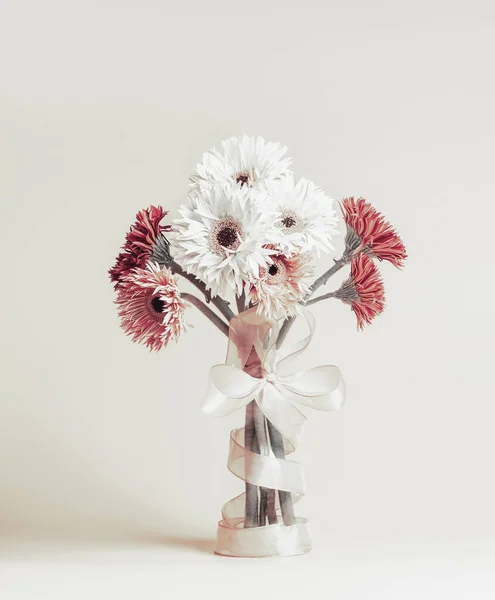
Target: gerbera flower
x,y
144,240
124,264
363,290
145,232
304,218
150,306
281,285
244,161
220,235
367,231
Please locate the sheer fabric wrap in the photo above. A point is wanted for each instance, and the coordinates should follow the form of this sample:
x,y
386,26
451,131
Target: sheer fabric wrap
x,y
280,391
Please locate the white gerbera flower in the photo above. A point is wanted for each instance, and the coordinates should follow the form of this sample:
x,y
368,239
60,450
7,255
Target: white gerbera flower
x,y
305,219
220,235
247,161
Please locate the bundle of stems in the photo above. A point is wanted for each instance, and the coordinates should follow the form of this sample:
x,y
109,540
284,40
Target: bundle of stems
x,y
260,434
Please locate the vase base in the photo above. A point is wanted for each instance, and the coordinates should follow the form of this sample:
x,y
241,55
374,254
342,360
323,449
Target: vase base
x,y
259,542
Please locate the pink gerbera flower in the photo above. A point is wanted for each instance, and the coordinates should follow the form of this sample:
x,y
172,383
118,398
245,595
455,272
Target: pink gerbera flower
x,y
144,241
367,231
281,285
363,290
150,306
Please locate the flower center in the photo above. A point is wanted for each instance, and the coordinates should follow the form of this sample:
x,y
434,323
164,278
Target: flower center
x,y
288,222
276,273
242,178
247,177
227,237
157,304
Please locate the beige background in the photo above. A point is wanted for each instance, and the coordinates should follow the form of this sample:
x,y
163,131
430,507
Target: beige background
x,y
104,108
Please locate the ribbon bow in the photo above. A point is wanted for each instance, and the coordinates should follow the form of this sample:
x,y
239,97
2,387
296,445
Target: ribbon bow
x,y
277,393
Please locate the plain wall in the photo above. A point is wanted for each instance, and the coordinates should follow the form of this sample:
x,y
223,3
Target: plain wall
x,y
105,107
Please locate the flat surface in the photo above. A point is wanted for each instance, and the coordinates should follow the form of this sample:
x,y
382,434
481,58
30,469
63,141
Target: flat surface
x,y
181,568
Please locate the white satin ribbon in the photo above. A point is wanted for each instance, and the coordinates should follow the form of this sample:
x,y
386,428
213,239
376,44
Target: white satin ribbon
x,y
279,394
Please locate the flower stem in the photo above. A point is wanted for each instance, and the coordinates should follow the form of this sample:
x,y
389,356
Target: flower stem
x,y
214,318
250,442
322,297
220,303
271,508
241,302
284,330
342,261
285,498
264,449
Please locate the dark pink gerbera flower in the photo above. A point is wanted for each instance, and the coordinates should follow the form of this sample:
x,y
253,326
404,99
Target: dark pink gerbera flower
x,y
144,241
367,231
145,232
150,306
124,264
363,290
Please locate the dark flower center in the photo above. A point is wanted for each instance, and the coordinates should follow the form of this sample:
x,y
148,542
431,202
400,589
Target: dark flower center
x,y
157,304
242,178
288,222
227,237
273,270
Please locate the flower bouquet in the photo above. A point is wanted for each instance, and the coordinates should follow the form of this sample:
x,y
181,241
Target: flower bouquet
x,y
247,239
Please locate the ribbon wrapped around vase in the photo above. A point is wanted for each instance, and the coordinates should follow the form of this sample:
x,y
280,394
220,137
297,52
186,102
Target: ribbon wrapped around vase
x,y
278,391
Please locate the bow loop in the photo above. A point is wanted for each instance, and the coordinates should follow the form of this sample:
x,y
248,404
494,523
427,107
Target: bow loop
x,y
230,388
321,388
